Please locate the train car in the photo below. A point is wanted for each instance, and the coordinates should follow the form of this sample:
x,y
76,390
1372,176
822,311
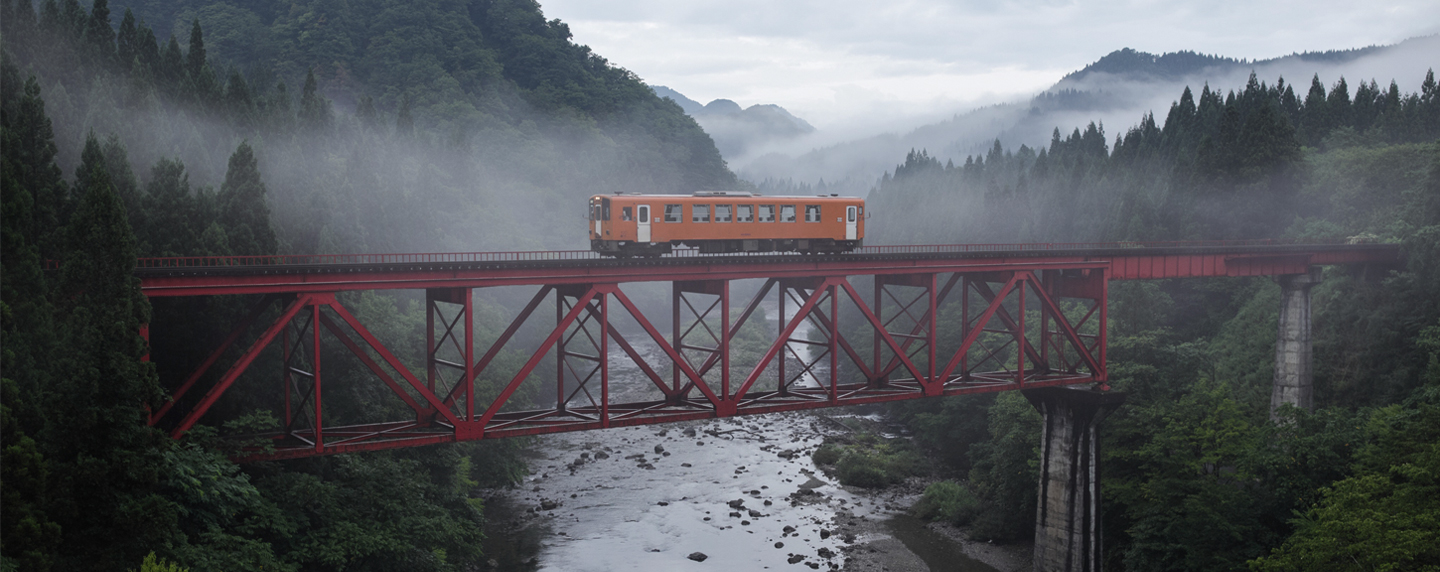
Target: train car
x,y
724,221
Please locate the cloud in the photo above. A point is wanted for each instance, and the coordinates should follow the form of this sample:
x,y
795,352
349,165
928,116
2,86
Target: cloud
x,y
835,62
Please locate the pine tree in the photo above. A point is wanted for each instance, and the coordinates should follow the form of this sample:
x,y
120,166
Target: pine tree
x,y
243,210
172,66
127,42
99,36
314,108
1314,117
195,58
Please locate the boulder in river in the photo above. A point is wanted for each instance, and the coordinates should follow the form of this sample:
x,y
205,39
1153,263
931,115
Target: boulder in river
x,y
697,556
659,449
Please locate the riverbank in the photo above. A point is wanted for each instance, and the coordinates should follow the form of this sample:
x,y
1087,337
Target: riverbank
x,y
735,493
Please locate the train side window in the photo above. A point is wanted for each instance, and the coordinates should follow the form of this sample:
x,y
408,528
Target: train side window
x,y
672,213
604,209
744,213
767,213
812,213
699,213
849,215
722,213
787,213
625,214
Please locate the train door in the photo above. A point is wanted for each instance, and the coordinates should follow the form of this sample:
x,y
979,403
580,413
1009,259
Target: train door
x,y
642,223
850,223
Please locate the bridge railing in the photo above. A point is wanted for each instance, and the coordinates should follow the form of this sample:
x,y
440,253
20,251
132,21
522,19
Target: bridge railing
x,y
549,255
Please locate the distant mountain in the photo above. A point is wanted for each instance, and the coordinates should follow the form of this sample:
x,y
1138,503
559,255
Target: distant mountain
x,y
737,130
1114,92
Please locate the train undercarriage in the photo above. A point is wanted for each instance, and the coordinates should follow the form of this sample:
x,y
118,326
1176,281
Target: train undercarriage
x,y
628,249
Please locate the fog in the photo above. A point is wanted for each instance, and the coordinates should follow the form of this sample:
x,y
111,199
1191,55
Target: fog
x,y
856,154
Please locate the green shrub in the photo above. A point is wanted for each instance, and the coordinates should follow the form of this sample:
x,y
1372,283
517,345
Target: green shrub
x,y
949,501
827,454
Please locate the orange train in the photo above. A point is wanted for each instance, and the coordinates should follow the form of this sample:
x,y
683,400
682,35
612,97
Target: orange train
x,y
724,221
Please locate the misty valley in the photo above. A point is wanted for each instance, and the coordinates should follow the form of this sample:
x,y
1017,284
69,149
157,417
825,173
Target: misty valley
x,y
224,134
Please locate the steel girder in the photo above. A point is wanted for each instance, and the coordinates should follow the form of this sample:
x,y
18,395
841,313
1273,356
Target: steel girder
x,y
930,333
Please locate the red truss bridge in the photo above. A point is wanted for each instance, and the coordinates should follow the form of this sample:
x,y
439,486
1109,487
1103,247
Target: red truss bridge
x,y
1029,316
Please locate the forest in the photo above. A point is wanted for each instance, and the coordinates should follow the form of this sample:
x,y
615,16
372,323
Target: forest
x,y
467,125
1196,474
429,127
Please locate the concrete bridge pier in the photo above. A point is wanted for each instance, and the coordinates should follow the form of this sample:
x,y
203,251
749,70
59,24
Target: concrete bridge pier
x,y
1294,377
1067,517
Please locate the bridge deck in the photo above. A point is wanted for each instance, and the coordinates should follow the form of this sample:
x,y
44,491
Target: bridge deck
x,y
332,273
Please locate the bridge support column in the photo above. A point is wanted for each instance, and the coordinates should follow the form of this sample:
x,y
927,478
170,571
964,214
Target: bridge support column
x,y
1067,514
1294,378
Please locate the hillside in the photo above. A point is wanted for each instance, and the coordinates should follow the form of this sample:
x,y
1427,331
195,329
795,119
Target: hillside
x,y
1113,91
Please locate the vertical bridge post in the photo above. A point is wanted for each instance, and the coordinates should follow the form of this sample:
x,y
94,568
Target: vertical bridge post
x,y
1067,512
1294,349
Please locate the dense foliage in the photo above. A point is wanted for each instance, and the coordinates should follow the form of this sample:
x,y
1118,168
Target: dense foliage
x,y
1197,476
418,127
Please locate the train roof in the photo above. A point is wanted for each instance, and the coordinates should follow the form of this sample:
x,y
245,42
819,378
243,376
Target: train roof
x,y
721,195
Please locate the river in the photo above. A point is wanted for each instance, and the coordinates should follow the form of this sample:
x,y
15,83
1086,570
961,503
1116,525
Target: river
x,y
738,493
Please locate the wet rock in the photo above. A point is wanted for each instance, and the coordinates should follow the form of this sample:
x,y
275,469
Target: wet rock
x,y
663,432
667,453
788,454
737,503
700,443
686,465
735,514
794,558
779,545
754,513
812,484
813,565
659,449
663,503
573,495
548,504
824,534
601,456
825,553
697,556
744,523
689,432
768,503
788,529
636,456
646,466
585,455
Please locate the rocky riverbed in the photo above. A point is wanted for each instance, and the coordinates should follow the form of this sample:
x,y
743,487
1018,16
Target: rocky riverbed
x,y
735,494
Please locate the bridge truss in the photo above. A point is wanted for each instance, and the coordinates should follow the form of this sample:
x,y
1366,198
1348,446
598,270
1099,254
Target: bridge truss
x,y
880,326
1053,314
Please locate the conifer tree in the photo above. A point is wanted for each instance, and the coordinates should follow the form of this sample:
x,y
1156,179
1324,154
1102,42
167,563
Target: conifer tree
x,y
243,210
314,108
127,42
195,58
1315,118
99,36
172,66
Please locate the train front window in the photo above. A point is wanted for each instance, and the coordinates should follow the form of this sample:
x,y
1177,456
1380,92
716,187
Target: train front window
x,y
699,213
672,213
787,213
625,214
812,213
722,213
767,213
744,213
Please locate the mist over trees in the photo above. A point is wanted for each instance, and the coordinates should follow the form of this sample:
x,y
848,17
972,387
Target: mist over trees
x,y
1196,476
417,127
204,128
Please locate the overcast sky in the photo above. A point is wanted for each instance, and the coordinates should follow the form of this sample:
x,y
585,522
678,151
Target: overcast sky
x,y
834,62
